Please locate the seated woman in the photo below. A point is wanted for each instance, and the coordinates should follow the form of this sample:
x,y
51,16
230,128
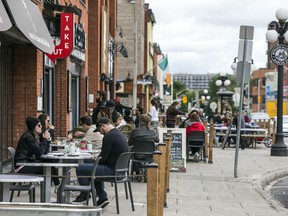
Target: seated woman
x,y
195,124
31,146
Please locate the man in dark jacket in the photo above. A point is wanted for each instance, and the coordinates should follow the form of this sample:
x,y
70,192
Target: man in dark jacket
x,y
114,143
101,98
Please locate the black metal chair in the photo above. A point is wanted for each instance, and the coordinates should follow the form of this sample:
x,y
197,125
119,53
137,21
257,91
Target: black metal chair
x,y
196,139
66,186
20,187
122,175
143,155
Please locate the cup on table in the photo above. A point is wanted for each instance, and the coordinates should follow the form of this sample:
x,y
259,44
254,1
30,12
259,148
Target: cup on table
x,y
72,149
89,146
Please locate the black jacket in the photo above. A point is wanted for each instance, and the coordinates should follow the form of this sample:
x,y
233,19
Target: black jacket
x,y
29,148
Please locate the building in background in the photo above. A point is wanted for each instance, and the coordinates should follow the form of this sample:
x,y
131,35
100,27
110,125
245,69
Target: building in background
x,y
194,81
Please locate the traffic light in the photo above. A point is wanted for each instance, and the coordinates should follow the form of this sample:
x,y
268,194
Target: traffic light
x,y
185,99
258,99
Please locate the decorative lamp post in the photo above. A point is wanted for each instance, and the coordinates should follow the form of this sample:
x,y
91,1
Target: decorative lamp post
x,y
224,95
279,56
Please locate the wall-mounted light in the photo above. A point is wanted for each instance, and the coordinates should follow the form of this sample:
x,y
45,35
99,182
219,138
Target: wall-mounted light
x,y
103,77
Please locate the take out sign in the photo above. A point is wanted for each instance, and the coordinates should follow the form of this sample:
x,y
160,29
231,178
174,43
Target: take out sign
x,y
64,45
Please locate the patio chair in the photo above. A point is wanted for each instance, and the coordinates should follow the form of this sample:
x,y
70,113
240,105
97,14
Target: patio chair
x,y
122,171
65,186
196,139
20,187
143,155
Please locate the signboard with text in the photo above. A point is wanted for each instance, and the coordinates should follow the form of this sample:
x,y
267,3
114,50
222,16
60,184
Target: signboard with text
x,y
178,148
64,44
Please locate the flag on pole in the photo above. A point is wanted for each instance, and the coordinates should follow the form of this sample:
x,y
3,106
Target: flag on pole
x,y
163,63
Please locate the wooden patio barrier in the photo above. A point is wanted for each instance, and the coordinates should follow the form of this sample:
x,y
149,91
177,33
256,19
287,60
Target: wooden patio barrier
x,y
167,141
162,174
211,139
206,139
157,158
152,189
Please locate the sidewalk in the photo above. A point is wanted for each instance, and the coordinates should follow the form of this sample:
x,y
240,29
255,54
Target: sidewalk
x,y
211,189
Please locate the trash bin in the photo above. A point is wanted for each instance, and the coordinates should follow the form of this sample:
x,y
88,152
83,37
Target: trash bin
x,y
47,209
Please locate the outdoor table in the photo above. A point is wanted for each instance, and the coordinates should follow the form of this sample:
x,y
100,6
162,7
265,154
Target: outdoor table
x,y
65,161
7,179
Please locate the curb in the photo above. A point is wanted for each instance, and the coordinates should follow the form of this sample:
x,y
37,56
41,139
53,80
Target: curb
x,y
263,185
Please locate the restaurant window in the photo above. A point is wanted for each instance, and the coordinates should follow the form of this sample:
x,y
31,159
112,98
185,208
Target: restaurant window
x,y
48,92
255,82
255,99
263,81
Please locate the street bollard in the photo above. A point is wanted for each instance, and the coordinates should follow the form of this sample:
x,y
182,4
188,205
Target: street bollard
x,y
206,139
162,148
211,137
168,152
152,189
157,159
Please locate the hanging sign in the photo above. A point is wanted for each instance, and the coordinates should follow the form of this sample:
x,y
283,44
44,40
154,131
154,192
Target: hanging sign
x,y
65,44
279,54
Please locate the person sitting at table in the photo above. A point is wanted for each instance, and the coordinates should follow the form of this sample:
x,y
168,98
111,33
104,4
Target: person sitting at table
x,y
195,124
227,119
114,143
31,147
242,125
80,131
246,117
46,126
143,132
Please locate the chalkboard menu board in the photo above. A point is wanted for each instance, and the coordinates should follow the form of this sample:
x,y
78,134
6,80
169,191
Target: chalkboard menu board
x,y
178,148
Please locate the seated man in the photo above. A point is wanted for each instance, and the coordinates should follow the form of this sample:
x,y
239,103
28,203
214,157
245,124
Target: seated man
x,y
80,131
114,143
143,132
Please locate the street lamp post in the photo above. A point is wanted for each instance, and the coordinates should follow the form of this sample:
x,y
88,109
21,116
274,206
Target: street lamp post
x,y
135,57
279,56
222,82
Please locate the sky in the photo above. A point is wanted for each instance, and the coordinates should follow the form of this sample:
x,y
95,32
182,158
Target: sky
x,y
202,36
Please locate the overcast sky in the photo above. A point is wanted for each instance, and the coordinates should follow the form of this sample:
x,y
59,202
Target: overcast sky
x,y
202,36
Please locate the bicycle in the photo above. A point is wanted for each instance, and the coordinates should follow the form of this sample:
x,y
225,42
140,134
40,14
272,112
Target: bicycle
x,y
267,141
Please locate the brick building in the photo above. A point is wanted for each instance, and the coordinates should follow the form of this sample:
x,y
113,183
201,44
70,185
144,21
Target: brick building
x,y
32,84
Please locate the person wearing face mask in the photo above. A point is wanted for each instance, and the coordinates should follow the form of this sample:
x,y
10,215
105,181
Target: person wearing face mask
x,y
171,114
101,97
114,143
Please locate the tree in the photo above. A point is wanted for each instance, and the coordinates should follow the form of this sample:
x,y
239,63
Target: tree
x,y
178,87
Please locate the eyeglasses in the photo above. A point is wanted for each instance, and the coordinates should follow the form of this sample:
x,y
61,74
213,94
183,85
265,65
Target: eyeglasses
x,y
39,125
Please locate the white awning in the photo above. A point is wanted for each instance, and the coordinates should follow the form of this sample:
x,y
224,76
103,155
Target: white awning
x,y
5,23
29,21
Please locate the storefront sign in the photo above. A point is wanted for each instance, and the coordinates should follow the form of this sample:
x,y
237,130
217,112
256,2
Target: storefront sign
x,y
65,44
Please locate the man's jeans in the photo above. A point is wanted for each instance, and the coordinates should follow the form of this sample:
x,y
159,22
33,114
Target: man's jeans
x,y
101,171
